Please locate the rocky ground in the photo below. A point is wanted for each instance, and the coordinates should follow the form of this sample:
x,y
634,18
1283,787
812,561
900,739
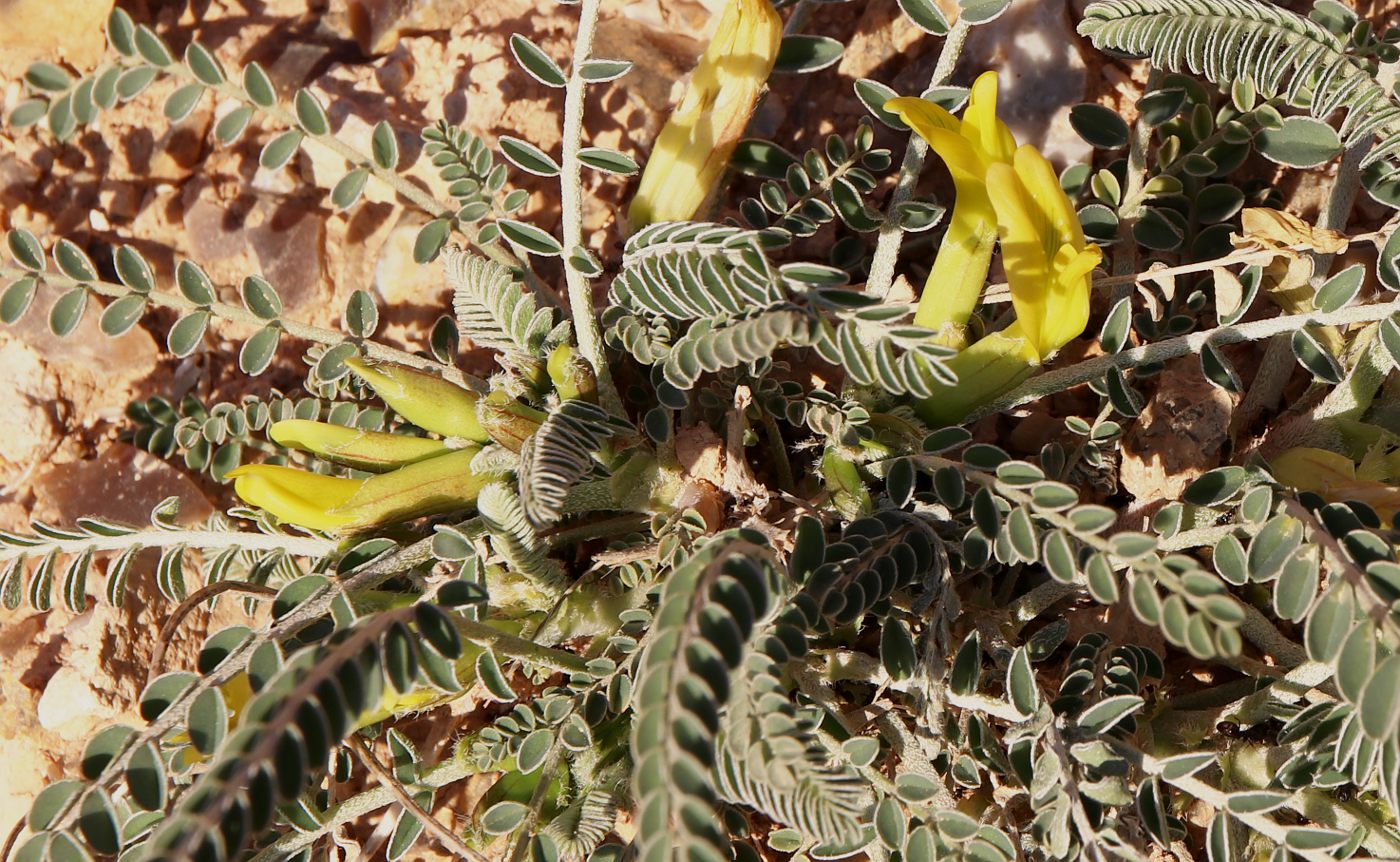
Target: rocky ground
x,y
173,194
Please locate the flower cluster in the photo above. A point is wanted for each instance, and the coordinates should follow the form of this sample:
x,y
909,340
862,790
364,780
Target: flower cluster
x,y
1009,194
414,476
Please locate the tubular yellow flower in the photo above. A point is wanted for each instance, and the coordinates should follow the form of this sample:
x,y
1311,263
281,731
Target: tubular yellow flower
x,y
442,484
695,145
424,399
1012,194
969,147
374,451
293,495
1047,262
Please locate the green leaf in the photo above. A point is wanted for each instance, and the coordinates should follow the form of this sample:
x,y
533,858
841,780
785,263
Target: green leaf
x,y
258,351
384,146
982,11
926,16
890,823
1388,262
1116,326
204,65
1101,126
528,157
50,801
73,261
1021,687
28,112
1313,356
208,721
122,314
121,32
187,333
1328,625
488,670
349,189
181,103
503,818
1379,707
1302,142
133,270
1215,486
1256,801
608,161
361,314
1218,370
231,126
530,238
67,311
97,821
25,249
47,78
163,691
801,54
1340,289
912,787
310,114
897,652
536,62
258,86
260,298
16,299
152,47
534,749
280,150
430,240
967,665
134,82
1107,713
873,95
596,71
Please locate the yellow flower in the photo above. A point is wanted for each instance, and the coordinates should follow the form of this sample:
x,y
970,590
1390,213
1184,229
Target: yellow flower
x,y
1011,194
1048,264
693,149
969,147
338,505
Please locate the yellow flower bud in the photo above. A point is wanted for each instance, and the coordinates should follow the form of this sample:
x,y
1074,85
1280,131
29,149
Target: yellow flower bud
x,y
571,376
843,482
424,399
693,149
374,451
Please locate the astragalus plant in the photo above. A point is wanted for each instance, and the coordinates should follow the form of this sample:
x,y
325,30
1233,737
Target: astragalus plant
x,y
848,632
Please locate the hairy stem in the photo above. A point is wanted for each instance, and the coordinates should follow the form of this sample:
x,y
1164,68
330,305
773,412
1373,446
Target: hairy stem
x,y
891,234
590,338
297,546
